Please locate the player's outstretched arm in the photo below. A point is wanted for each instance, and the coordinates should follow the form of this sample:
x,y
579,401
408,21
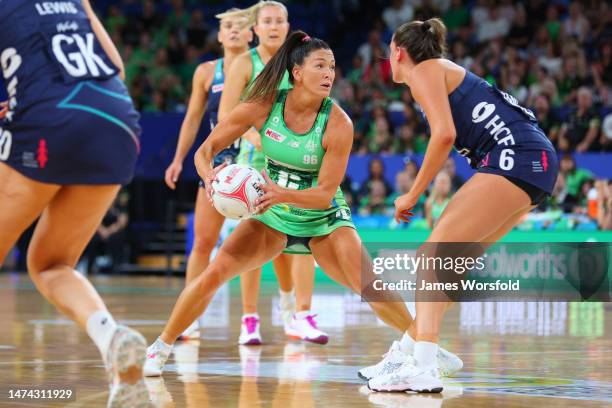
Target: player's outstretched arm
x,y
428,86
236,82
189,129
239,120
107,44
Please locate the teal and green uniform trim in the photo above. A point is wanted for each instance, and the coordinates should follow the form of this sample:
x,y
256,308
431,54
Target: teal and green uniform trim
x,y
249,155
294,161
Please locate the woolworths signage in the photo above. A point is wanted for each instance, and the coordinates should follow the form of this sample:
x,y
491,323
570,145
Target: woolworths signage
x,y
476,272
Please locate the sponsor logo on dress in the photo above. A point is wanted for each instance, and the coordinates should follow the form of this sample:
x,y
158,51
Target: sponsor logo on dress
x,y
217,88
537,167
295,144
42,154
277,137
311,146
275,120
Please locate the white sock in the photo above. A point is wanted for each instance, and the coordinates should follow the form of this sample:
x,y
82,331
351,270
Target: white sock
x,y
100,327
411,308
425,353
286,298
160,345
255,315
302,315
407,344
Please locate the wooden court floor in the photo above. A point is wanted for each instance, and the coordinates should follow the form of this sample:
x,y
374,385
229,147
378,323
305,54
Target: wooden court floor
x,y
516,354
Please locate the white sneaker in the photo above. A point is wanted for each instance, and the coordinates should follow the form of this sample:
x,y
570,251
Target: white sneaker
x,y
448,363
392,360
124,364
191,333
409,377
305,328
156,360
249,331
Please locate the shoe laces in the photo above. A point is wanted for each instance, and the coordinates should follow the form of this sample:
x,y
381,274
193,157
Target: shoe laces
x,y
311,321
251,323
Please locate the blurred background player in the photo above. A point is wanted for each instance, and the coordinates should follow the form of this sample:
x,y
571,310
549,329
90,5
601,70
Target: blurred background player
x,y
270,23
69,140
208,82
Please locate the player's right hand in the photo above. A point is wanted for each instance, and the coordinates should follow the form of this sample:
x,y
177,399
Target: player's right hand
x,y
3,109
172,174
210,176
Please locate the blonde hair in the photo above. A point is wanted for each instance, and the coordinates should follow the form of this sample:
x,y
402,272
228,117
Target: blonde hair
x,y
252,13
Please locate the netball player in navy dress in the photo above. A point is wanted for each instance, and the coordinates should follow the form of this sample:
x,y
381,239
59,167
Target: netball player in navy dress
x,y
234,35
69,138
516,168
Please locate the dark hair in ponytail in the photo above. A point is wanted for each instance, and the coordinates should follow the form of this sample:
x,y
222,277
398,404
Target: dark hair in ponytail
x,y
294,51
422,40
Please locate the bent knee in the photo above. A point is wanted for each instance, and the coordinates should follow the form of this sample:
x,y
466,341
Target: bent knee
x,y
215,275
204,245
38,262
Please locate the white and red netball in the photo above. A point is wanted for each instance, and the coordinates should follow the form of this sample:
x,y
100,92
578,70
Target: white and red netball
x,y
235,190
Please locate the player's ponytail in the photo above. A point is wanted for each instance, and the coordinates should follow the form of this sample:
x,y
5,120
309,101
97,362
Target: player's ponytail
x,y
294,51
422,40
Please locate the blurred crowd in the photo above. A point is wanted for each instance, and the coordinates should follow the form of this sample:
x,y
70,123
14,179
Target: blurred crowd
x,y
553,56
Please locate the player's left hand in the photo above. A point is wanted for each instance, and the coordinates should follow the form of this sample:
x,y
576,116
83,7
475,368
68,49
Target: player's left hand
x,y
273,194
3,109
403,207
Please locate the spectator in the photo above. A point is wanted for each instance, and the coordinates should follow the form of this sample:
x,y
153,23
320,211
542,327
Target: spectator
x,y
604,204
398,13
410,168
574,178
175,50
197,30
546,119
427,10
494,26
376,173
438,199
459,55
150,19
602,71
378,71
456,16
520,33
551,60
451,170
581,130
380,137
573,73
368,50
375,203
558,199
553,25
576,25
403,183
356,72
107,248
